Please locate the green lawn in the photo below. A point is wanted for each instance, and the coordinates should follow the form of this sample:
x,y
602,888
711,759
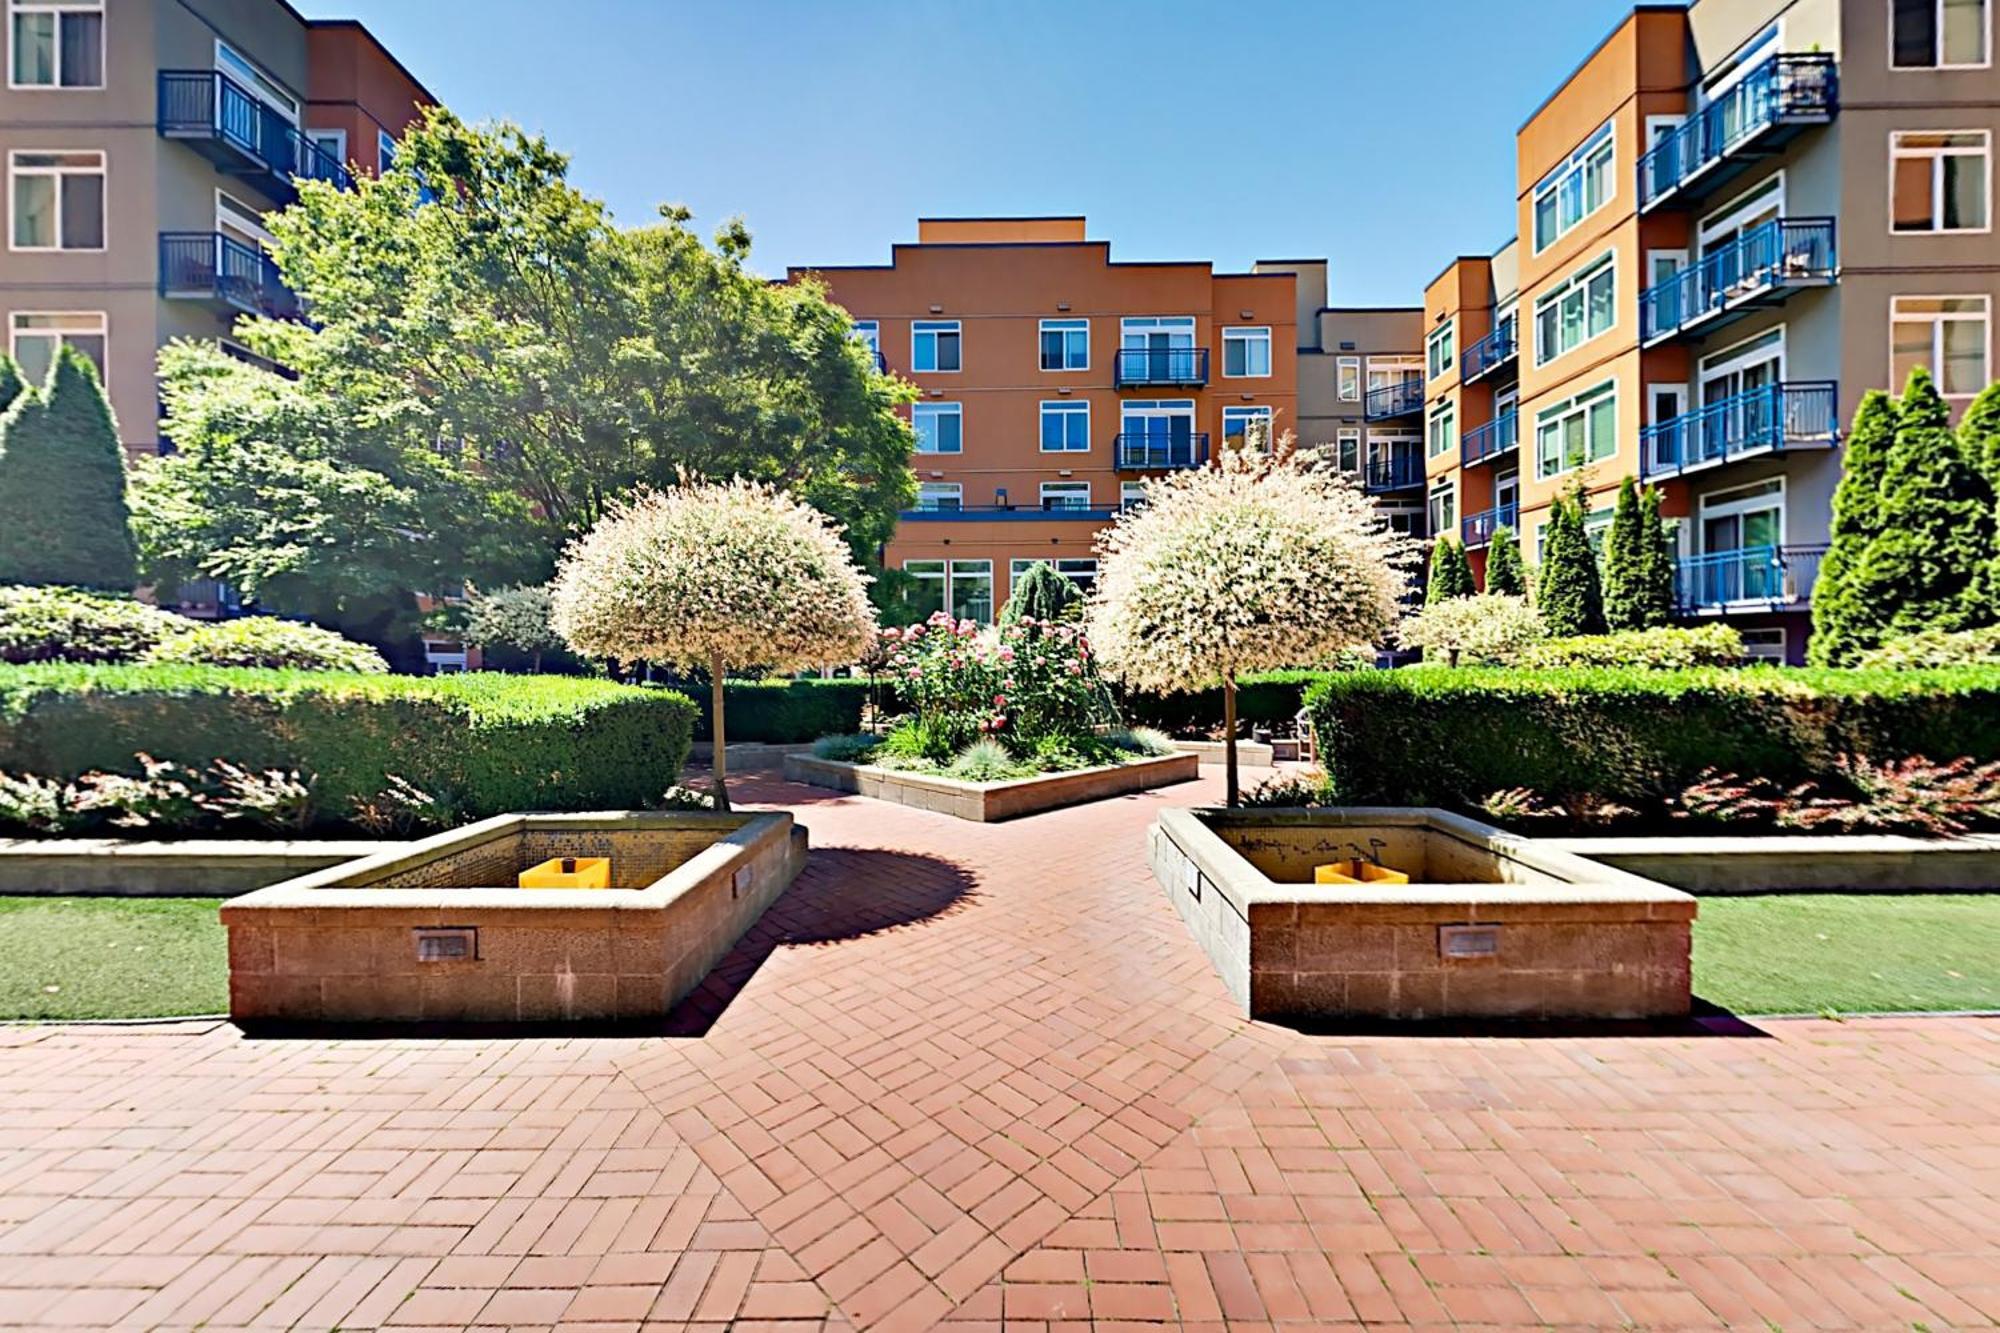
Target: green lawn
x,y
111,958
1851,953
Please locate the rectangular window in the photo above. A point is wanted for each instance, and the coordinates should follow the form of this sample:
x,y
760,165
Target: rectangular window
x,y
1065,427
1443,509
1583,308
934,345
1443,431
1065,495
1438,348
1131,494
34,336
1350,379
940,427
1576,189
331,142
1249,426
1940,34
1065,344
1347,449
57,200
1940,180
385,151
1576,431
936,496
1246,353
962,587
55,44
867,331
1949,334
1081,572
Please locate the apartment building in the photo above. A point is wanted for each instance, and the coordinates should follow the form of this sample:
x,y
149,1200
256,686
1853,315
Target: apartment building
x,y
1055,382
1734,219
145,140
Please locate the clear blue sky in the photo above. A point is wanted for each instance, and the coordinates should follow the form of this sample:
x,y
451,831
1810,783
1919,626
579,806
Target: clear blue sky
x,y
1378,133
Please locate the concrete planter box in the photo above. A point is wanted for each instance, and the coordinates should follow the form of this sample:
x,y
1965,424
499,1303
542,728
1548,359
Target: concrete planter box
x,y
194,868
436,931
1802,863
748,756
1492,926
990,801
1250,754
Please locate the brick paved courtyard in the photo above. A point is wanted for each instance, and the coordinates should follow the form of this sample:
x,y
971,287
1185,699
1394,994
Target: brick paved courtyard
x,y
980,1073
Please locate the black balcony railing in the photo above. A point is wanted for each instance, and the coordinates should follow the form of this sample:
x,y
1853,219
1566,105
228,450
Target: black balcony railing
x,y
1763,265
1490,353
1052,508
1173,366
1750,578
1144,451
1399,399
1495,439
219,117
208,266
1779,96
1478,529
1757,421
1393,474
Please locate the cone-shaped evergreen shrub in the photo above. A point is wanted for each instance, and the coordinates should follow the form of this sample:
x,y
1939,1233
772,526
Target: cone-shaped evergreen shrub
x,y
1980,429
1656,577
1625,562
1843,625
1450,573
1040,594
11,382
1571,599
1506,575
63,517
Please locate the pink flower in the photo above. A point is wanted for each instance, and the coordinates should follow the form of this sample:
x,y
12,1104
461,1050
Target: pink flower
x,y
999,701
1076,668
915,674
1006,654
999,721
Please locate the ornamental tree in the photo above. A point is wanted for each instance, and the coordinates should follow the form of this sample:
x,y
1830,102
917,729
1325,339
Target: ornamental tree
x,y
1484,630
1570,597
714,577
1844,625
63,517
1450,574
1040,594
1506,575
516,619
1261,562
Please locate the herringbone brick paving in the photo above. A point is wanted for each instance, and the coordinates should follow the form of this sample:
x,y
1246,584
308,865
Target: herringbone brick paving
x,y
976,1074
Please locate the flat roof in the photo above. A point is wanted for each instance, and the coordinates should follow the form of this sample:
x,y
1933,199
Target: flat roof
x,y
376,42
1602,42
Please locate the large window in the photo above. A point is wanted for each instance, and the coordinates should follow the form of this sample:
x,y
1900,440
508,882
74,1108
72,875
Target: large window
x,y
962,587
1442,429
1576,431
1952,335
1574,190
255,81
1246,426
57,200
1081,572
1940,34
1246,353
1347,449
1940,180
869,332
1065,427
940,427
1579,310
1065,495
55,44
940,496
1349,368
34,336
1065,344
1439,352
1442,509
934,345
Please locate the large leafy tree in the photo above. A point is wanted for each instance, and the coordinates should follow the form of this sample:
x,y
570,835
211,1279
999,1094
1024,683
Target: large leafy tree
x,y
1844,624
63,512
1570,598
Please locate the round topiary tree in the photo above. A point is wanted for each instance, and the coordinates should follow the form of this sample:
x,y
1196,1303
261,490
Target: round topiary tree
x,y
1487,629
515,618
1506,575
1040,594
1258,563
714,577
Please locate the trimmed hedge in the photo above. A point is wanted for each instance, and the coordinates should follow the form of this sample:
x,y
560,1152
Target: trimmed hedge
x,y
1265,699
484,743
783,712
266,641
1437,736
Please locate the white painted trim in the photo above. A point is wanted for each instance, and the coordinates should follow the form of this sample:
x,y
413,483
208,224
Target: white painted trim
x,y
61,335
104,199
1937,322
1553,180
955,326
1063,407
1341,364
1064,325
1889,42
1937,157
1579,277
1243,332
58,8
1446,333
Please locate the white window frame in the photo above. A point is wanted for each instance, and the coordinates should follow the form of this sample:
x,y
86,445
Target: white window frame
x,y
936,491
1937,157
385,151
1445,489
236,215
331,142
867,332
1937,320
1070,567
1066,327
948,573
1759,642
1347,379
1578,281
103,172
938,410
919,328
1937,49
1440,430
1248,413
86,323
1065,407
56,8
1574,167
1064,488
1394,369
1583,401
1441,349
1249,335
1343,437
259,84
1131,493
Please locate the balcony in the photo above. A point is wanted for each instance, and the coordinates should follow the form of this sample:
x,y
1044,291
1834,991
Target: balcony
x,y
1478,529
1762,267
1049,509
1496,349
1755,578
1765,420
1782,96
218,118
208,266
1393,474
1495,439
1401,399
1146,452
1166,367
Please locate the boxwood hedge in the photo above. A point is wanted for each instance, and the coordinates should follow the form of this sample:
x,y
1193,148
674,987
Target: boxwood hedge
x,y
783,712
1264,699
1437,736
483,742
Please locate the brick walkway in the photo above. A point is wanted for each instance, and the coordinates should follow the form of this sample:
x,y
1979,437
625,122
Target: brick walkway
x,y
973,1074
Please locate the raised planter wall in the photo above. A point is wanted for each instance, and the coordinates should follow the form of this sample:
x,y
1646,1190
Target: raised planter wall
x,y
987,802
1848,863
196,868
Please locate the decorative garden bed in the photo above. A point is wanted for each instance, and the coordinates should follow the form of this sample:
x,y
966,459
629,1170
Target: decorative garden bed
x,y
986,802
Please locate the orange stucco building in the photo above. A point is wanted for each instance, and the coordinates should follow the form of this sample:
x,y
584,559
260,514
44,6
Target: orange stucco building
x,y
358,91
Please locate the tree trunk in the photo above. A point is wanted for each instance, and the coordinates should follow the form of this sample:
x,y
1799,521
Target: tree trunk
x,y
717,735
538,662
1229,735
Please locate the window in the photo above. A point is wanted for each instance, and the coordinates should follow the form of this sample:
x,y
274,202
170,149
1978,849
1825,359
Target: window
x,y
1940,34
1065,427
1949,334
1081,572
940,427
34,337
1764,645
1443,431
964,588
256,82
1065,344
1576,431
940,496
1581,309
868,332
1349,368
1131,494
331,142
385,151
1347,449
1442,509
1438,348
1246,426
1939,180
1246,353
57,200
934,345
1574,190
1065,495
55,44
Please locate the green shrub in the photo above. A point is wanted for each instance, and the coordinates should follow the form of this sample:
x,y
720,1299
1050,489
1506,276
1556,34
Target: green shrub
x,y
1269,698
480,744
63,514
784,712
266,641
1146,742
852,749
987,760
1668,648
1937,648
1437,736
74,625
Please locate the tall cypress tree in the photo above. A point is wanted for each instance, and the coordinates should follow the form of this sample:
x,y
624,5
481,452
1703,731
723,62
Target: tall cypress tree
x,y
1656,577
63,518
1624,562
1980,430
11,382
1844,625
1506,575
1451,573
1572,599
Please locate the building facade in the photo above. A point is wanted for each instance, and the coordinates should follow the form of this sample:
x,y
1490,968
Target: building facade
x,y
144,142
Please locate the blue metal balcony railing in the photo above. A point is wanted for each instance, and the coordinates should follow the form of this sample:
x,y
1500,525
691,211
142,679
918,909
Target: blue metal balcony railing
x,y
212,112
1762,265
208,266
1394,400
1761,420
1782,94
1140,451
1393,474
1176,366
1490,353
1478,529
1751,578
1495,439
